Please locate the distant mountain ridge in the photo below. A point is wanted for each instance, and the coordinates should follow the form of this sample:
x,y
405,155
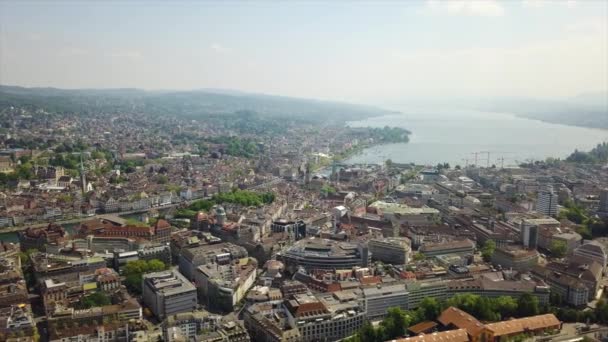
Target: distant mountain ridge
x,y
194,103
586,110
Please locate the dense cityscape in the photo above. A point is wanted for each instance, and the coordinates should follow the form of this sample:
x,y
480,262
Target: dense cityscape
x,y
122,226
304,171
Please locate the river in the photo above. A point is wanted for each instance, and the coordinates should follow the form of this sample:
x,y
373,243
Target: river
x,y
454,137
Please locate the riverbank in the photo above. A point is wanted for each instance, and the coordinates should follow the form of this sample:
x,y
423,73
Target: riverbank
x,y
357,149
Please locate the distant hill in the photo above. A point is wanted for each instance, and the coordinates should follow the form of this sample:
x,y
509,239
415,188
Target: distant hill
x,y
587,110
195,104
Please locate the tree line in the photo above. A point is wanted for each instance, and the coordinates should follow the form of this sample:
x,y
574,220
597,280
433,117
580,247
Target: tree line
x,y
397,320
241,197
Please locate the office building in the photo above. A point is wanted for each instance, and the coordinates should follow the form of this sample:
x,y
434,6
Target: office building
x,y
167,293
493,288
418,290
222,285
572,291
572,240
379,299
313,253
205,252
593,250
394,251
461,247
307,318
546,203
603,205
64,268
529,235
515,257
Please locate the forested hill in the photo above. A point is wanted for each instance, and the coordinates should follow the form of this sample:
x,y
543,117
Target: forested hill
x,y
598,154
195,104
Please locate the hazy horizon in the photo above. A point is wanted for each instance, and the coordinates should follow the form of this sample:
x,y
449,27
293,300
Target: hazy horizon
x,y
355,52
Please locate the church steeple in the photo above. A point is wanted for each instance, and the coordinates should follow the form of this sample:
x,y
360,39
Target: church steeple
x,y
83,177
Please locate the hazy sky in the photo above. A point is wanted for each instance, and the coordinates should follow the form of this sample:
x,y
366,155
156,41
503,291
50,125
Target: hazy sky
x,y
353,51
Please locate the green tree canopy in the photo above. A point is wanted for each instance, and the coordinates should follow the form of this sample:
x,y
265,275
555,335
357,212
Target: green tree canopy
x,y
134,271
558,248
488,250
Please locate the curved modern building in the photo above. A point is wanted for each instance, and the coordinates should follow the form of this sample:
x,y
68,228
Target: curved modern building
x,y
314,253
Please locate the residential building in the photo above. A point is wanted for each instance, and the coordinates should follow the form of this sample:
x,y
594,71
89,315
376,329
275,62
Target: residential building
x,y
546,203
17,321
13,294
6,164
167,293
269,323
40,238
186,326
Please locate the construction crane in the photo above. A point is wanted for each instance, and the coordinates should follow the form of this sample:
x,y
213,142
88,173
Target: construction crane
x,y
502,162
475,154
487,153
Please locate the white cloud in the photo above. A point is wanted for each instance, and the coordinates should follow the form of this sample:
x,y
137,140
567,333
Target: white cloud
x,y
590,26
219,48
72,51
571,3
543,3
34,37
533,3
125,54
486,8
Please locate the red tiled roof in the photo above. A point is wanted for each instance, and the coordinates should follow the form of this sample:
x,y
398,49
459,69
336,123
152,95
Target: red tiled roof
x,y
460,319
459,335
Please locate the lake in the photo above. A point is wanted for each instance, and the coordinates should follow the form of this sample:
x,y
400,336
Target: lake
x,y
453,137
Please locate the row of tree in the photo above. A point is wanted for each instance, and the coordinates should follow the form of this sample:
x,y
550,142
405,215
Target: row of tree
x,y
242,197
589,225
397,321
134,271
237,146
